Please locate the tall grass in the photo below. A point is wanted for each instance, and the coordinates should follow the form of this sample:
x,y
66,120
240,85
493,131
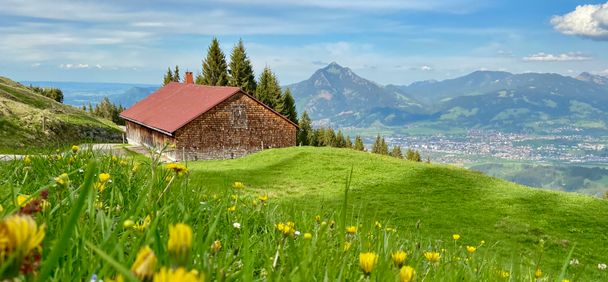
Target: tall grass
x,y
89,234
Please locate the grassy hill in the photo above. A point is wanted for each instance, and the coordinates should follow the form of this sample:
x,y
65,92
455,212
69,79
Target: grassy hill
x,y
440,200
106,216
29,120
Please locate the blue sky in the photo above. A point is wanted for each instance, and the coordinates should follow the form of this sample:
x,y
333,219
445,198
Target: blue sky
x,y
388,41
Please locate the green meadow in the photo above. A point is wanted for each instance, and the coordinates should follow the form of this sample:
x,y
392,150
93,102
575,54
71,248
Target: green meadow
x,y
300,214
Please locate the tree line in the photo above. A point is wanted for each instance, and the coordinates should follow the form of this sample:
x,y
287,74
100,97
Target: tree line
x,y
53,93
106,109
216,71
321,137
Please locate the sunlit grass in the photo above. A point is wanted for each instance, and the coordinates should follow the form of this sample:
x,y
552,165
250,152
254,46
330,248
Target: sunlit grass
x,y
102,215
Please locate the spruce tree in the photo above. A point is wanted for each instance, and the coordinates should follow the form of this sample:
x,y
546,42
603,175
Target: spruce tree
x,y
396,152
215,69
268,90
340,141
168,77
320,136
377,144
383,147
241,70
359,144
330,137
176,77
412,155
287,106
349,143
305,133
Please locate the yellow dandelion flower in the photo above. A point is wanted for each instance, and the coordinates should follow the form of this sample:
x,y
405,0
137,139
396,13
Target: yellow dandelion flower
x,y
471,249
23,200
456,237
263,198
178,168
307,236
104,177
378,225
565,280
234,197
351,230
503,274
177,275
143,224
367,261
99,186
406,274
216,246
317,218
432,257
398,258
538,273
232,209
63,179
19,235
128,223
27,161
287,229
180,239
75,148
238,185
144,264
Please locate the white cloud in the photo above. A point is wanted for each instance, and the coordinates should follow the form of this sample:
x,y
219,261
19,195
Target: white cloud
x,y
426,68
74,66
590,21
564,57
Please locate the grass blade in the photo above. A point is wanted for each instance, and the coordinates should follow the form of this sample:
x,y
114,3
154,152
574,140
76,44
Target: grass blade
x,y
60,246
124,271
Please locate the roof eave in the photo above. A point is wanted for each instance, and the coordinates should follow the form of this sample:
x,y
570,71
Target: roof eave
x,y
147,126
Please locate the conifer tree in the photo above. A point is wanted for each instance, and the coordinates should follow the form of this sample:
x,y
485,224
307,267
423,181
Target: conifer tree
x,y
359,144
396,152
215,69
268,90
319,137
168,77
241,70
349,143
412,155
314,139
330,137
377,144
340,141
176,77
287,106
383,147
305,133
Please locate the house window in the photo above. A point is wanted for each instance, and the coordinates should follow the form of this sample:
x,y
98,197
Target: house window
x,y
239,116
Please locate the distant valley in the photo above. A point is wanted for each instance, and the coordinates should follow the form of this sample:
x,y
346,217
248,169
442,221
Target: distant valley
x,y
82,93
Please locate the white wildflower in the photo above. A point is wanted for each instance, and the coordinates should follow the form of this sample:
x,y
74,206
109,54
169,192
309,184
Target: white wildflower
x,y
601,266
236,225
573,261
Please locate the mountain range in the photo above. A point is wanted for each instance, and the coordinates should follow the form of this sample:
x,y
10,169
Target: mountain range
x,y
527,102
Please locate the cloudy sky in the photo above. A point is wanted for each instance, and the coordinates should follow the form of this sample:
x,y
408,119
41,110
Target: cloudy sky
x,y
388,41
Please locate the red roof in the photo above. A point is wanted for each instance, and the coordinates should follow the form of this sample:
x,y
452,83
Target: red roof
x,y
176,104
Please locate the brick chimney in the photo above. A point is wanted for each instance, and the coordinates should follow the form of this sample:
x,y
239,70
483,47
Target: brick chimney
x,y
189,79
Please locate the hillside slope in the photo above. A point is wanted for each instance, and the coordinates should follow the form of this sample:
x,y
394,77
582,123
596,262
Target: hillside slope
x,y
29,120
440,200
